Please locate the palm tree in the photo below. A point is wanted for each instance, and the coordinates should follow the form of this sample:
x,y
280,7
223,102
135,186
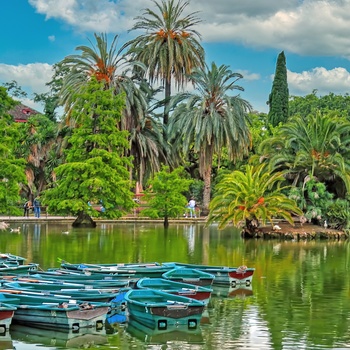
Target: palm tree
x,y
111,66
170,47
317,145
250,197
211,120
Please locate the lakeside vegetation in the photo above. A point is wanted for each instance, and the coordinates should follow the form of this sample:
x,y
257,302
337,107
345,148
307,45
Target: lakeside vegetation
x,y
154,105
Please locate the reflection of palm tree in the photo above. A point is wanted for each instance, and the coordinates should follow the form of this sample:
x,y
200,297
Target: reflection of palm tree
x,y
170,47
211,120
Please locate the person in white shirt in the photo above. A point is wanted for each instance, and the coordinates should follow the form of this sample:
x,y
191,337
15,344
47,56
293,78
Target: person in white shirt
x,y
192,206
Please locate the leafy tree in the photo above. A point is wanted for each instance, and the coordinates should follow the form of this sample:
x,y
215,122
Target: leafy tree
x,y
311,104
210,120
39,137
170,48
279,96
11,167
317,146
165,194
95,170
252,197
112,68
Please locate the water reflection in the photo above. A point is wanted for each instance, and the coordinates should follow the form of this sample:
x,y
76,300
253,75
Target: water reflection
x,y
299,298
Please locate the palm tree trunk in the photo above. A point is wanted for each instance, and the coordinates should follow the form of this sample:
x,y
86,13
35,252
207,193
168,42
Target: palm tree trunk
x,y
167,100
206,191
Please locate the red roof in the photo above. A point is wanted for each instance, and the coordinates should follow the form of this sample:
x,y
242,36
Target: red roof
x,y
21,113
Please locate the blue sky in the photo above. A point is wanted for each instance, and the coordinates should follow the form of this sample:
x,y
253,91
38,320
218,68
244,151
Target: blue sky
x,y
246,35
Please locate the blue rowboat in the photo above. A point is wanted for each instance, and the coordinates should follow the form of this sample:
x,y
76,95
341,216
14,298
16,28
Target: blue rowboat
x,y
191,291
55,313
6,315
190,276
223,275
159,310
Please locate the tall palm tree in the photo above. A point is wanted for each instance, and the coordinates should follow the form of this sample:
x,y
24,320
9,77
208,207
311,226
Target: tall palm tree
x,y
210,120
249,197
170,48
317,145
111,66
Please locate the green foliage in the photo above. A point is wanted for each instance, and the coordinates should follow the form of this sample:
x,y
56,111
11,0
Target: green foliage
x,y
279,96
338,214
313,198
245,198
96,170
311,103
165,194
11,167
318,145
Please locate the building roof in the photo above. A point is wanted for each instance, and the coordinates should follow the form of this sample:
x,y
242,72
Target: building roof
x,y
21,113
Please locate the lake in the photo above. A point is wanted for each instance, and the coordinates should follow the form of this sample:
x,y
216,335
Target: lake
x,y
299,298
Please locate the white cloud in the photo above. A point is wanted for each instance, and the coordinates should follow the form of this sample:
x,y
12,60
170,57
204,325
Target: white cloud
x,y
309,27
52,38
336,80
30,77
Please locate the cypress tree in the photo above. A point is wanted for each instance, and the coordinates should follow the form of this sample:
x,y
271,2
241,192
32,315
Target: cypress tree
x,y
279,96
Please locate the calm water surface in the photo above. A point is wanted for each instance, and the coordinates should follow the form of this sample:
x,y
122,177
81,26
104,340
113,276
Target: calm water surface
x,y
299,298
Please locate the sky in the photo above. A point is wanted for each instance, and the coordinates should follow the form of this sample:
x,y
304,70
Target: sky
x,y
246,35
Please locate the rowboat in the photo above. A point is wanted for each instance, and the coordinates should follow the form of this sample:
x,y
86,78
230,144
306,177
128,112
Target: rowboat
x,y
55,313
37,290
6,314
177,288
98,280
11,258
81,339
190,276
223,274
14,268
159,310
131,270
171,334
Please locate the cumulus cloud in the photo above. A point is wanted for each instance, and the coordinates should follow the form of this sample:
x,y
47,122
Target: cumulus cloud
x,y
89,15
336,80
32,78
52,38
309,27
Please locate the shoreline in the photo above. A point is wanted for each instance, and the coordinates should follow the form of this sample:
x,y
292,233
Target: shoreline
x,y
298,232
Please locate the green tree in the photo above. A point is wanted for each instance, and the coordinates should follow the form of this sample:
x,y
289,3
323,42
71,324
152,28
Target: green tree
x,y
249,198
165,194
170,48
210,120
317,146
95,170
112,68
12,167
279,96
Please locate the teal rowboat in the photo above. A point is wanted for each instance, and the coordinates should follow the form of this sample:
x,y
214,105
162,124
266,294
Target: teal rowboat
x,y
159,310
190,276
223,275
51,313
191,291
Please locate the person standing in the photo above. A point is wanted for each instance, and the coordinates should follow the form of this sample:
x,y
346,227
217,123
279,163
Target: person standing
x,y
36,205
26,207
192,207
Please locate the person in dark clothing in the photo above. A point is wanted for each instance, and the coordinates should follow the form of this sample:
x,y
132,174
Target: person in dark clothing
x,y
26,208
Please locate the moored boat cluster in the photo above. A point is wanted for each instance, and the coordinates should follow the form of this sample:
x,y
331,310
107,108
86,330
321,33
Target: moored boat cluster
x,y
148,296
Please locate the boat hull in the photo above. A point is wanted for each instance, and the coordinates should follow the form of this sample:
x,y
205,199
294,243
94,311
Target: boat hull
x,y
159,310
57,317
